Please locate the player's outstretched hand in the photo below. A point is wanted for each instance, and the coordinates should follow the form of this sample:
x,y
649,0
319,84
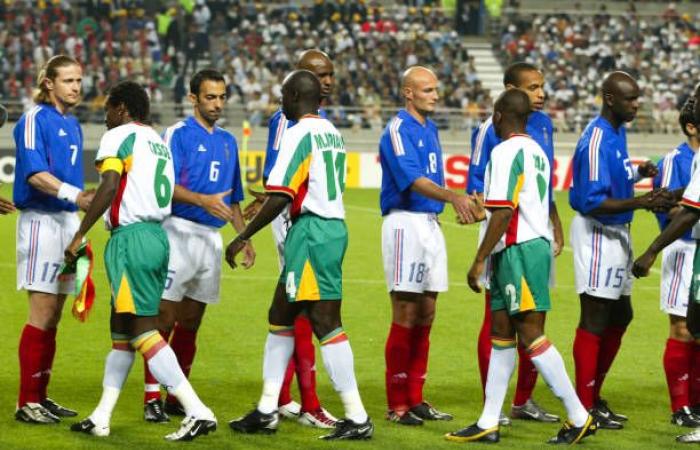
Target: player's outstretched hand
x,y
478,210
70,255
648,169
85,198
660,200
6,206
463,207
214,204
255,206
248,255
232,249
641,265
474,274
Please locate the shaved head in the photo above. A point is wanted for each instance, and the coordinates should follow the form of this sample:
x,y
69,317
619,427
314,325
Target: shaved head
x,y
620,98
320,64
301,94
414,74
618,82
510,112
419,86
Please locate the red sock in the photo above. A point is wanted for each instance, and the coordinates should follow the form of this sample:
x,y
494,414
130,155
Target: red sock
x,y
183,343
47,360
418,366
484,344
285,391
695,376
586,350
610,342
305,358
527,377
31,351
149,380
677,360
397,354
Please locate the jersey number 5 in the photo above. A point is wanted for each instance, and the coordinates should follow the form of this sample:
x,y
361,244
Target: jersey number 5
x,y
161,185
334,169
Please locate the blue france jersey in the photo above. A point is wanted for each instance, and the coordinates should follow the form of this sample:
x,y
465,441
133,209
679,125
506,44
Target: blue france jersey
x,y
47,141
206,163
539,128
674,173
409,150
276,127
601,170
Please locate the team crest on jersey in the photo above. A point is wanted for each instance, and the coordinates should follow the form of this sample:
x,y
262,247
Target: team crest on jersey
x,y
201,148
62,132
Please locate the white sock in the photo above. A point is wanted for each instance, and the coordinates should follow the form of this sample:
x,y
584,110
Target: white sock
x,y
550,365
278,350
117,367
501,368
339,363
190,401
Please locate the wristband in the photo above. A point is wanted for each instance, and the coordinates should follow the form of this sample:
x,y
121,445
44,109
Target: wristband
x,y
68,192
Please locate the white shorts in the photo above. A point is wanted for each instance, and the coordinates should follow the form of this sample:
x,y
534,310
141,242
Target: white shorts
x,y
676,275
280,226
42,237
194,269
602,258
413,248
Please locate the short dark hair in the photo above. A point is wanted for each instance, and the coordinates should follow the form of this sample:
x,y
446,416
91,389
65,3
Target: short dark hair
x,y
134,98
203,75
513,72
687,114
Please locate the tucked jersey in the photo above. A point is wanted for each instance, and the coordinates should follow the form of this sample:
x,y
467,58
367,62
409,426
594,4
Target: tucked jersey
x,y
310,168
409,150
517,177
674,174
484,139
691,195
601,170
276,127
47,141
206,163
147,177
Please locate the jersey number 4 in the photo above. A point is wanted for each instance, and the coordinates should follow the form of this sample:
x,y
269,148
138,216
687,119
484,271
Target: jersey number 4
x,y
334,169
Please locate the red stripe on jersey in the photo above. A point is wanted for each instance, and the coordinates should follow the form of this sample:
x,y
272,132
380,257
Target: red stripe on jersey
x,y
690,203
295,210
117,202
499,204
512,231
280,190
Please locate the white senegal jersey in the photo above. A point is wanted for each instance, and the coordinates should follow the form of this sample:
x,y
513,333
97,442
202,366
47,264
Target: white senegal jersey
x,y
310,168
147,176
517,177
691,195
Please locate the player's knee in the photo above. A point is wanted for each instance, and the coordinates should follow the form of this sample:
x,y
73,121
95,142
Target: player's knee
x,y
593,324
324,323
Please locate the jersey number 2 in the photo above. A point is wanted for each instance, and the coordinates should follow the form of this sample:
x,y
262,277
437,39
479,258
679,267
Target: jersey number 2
x,y
334,169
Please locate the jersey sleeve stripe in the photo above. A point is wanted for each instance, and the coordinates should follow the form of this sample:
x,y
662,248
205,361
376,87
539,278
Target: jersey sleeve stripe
x,y
690,203
396,137
479,145
593,150
668,169
30,128
281,190
499,204
281,127
170,131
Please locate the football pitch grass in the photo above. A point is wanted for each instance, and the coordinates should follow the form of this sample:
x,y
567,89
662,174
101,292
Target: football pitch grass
x,y
227,368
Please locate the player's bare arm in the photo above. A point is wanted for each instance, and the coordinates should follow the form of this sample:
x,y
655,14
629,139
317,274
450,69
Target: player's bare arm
x,y
272,208
212,203
254,207
49,184
239,225
103,198
656,200
498,224
557,228
462,204
682,222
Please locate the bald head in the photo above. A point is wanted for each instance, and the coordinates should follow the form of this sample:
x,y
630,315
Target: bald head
x,y
320,64
301,94
419,86
620,98
510,112
416,74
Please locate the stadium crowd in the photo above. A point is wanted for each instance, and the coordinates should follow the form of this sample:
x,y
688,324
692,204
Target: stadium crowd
x,y
575,50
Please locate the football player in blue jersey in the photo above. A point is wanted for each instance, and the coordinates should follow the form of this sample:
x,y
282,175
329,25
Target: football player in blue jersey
x,y
413,193
528,78
303,363
207,194
48,191
603,197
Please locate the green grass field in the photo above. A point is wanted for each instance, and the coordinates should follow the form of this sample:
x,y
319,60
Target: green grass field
x,y
227,369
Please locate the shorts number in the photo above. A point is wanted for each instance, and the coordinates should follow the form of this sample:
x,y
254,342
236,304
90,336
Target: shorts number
x,y
432,158
291,286
214,171
161,185
169,279
512,297
73,154
334,169
418,273
45,272
619,277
